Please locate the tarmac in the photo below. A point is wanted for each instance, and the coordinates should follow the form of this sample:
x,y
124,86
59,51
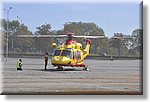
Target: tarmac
x,y
105,77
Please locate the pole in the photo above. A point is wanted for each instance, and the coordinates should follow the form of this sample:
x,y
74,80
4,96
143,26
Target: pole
x,y
7,48
7,38
19,19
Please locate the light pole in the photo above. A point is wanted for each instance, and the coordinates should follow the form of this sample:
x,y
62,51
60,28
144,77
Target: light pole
x,y
7,11
19,19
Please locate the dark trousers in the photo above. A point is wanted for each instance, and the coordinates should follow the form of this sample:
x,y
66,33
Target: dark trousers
x,y
46,64
19,69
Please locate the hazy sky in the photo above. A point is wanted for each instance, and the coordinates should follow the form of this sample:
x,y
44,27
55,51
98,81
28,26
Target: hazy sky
x,y
111,17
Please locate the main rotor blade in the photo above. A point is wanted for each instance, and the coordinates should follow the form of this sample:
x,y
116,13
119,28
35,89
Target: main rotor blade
x,y
121,37
89,36
40,36
55,36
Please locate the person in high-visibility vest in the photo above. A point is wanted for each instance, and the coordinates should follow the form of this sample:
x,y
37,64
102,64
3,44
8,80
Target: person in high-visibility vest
x,y
46,59
19,64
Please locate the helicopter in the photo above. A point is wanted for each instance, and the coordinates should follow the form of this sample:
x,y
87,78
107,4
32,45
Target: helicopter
x,y
70,53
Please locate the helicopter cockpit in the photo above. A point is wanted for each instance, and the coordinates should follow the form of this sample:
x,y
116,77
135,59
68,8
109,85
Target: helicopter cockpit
x,y
66,53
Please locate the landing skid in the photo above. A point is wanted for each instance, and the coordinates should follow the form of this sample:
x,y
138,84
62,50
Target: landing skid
x,y
86,68
59,68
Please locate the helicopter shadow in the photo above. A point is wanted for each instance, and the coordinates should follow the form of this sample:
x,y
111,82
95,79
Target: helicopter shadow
x,y
67,69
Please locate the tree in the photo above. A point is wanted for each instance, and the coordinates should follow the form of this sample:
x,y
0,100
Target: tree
x,y
14,43
43,44
24,44
119,41
58,40
12,26
136,43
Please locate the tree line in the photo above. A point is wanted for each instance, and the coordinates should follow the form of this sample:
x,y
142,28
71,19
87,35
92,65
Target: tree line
x,y
124,45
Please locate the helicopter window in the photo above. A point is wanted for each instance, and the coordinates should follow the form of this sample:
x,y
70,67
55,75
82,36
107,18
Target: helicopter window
x,y
78,55
67,53
56,53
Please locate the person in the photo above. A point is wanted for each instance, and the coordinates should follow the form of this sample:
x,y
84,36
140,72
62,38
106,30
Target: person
x,y
46,60
111,58
19,65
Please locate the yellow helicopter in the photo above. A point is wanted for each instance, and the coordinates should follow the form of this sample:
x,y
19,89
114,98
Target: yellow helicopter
x,y
70,53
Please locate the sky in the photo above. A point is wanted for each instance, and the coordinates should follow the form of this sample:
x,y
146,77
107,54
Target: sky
x,y
111,17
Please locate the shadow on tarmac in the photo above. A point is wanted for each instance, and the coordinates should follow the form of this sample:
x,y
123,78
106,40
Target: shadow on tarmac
x,y
55,70
66,69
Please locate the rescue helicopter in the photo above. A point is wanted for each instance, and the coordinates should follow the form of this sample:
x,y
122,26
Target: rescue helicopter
x,y
71,52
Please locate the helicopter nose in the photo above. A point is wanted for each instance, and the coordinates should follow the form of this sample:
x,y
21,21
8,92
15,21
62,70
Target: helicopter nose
x,y
57,58
60,60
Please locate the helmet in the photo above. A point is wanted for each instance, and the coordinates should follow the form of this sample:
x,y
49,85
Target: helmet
x,y
20,60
